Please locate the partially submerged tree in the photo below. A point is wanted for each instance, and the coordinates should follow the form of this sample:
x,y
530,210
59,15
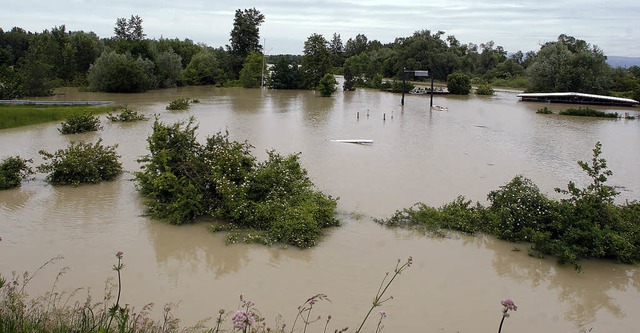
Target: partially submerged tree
x,y
458,83
569,65
245,37
327,85
316,60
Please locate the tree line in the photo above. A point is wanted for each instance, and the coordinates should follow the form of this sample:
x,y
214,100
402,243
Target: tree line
x,y
32,64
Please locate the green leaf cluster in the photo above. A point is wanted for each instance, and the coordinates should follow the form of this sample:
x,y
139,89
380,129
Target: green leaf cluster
x,y
183,179
585,225
13,170
459,83
587,112
179,104
126,115
485,89
80,123
327,85
81,163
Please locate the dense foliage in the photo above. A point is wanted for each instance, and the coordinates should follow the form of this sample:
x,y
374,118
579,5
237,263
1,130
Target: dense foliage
x,y
115,72
253,70
586,224
80,123
81,163
327,85
245,38
588,112
567,65
126,115
13,170
485,89
180,104
459,83
183,179
32,64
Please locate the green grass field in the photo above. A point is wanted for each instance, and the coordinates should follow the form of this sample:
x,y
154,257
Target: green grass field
x,y
12,115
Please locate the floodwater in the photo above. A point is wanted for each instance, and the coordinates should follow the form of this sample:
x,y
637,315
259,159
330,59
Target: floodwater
x,y
455,285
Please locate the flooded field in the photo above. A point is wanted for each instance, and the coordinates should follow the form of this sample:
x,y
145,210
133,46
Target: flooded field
x,y
455,285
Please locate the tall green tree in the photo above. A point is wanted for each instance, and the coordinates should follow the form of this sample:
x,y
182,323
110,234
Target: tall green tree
x,y
285,75
252,72
245,37
115,72
168,69
129,29
316,60
337,50
569,65
204,68
356,45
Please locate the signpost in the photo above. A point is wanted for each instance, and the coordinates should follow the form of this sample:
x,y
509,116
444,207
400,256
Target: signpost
x,y
421,73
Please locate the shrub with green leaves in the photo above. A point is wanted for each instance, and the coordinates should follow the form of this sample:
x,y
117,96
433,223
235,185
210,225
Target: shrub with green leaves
x,y
179,104
183,180
588,112
327,85
544,110
13,170
81,163
126,115
459,83
80,123
586,224
485,89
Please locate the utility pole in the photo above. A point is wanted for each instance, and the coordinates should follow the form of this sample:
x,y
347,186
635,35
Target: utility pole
x,y
264,49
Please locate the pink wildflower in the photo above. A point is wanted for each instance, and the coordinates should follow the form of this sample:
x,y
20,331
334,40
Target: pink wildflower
x,y
119,255
241,319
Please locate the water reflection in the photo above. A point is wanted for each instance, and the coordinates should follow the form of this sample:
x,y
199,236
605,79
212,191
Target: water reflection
x,y
194,249
584,294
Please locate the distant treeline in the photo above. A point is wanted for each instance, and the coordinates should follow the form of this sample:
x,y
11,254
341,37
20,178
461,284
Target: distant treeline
x,y
33,64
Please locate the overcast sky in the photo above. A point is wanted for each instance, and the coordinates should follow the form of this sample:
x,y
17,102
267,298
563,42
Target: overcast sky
x,y
523,25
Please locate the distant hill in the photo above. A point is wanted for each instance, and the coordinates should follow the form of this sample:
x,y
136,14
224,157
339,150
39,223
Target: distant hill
x,y
625,62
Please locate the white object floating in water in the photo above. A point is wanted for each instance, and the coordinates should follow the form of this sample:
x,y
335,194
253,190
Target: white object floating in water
x,y
440,108
356,141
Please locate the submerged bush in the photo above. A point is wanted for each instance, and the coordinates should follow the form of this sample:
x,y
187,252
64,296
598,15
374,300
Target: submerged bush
x,y
127,115
181,104
183,180
81,163
586,224
544,110
80,123
485,89
13,170
588,112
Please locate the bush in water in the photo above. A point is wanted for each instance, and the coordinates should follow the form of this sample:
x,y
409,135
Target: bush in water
x,y
127,115
80,123
81,163
13,170
183,180
585,225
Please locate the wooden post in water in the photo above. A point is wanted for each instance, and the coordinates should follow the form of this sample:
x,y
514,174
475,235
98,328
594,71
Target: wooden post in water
x,y
431,103
404,77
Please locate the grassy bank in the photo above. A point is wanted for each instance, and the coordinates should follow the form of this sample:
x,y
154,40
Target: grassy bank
x,y
29,114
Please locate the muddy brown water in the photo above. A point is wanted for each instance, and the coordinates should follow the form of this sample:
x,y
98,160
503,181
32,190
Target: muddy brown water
x,y
455,285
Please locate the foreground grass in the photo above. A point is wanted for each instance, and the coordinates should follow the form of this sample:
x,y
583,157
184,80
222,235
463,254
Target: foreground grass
x,y
56,311
30,114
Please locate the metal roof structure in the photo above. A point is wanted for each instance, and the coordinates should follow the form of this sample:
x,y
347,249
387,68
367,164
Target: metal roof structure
x,y
577,98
